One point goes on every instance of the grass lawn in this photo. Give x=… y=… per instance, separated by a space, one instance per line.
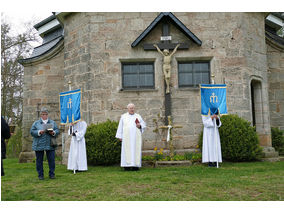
x=254 y=181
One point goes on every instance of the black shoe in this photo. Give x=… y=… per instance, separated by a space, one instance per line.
x=127 y=168
x=135 y=168
x=52 y=177
x=41 y=178
x=210 y=164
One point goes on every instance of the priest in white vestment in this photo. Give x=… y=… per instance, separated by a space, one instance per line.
x=210 y=154
x=129 y=131
x=77 y=158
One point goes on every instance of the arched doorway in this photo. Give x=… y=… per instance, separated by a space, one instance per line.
x=257 y=104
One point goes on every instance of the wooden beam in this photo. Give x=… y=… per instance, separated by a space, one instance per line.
x=170 y=46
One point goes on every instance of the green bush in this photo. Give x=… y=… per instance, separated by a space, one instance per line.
x=277 y=139
x=14 y=146
x=102 y=146
x=239 y=140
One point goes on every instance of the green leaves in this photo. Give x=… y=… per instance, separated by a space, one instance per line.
x=102 y=146
x=239 y=140
x=277 y=139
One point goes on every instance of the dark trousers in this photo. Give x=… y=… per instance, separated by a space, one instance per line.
x=50 y=154
x=2 y=168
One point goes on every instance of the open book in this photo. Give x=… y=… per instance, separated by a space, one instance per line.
x=48 y=127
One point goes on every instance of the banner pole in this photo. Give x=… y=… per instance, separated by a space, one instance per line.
x=69 y=84
x=215 y=130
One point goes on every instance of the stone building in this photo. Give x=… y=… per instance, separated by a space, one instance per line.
x=110 y=56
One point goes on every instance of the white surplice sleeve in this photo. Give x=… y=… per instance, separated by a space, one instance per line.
x=207 y=121
x=81 y=130
x=69 y=132
x=143 y=124
x=119 y=132
x=220 y=123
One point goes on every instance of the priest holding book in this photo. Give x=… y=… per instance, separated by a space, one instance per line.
x=129 y=131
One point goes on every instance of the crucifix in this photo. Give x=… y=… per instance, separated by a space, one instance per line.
x=169 y=135
x=166 y=46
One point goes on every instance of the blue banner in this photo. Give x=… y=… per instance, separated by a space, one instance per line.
x=70 y=103
x=213 y=99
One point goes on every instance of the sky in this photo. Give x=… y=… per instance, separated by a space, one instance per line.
x=19 y=11
x=18 y=18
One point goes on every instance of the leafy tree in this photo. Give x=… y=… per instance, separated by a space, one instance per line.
x=14 y=46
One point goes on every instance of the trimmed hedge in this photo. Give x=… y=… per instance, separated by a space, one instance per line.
x=277 y=139
x=239 y=140
x=102 y=146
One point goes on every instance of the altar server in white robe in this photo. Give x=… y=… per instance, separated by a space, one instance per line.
x=129 y=131
x=77 y=158
x=209 y=151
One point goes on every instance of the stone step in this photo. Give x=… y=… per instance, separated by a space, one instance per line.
x=281 y=158
x=269 y=152
x=276 y=159
x=166 y=151
x=173 y=163
x=271 y=155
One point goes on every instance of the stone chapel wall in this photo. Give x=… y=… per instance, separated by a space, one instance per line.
x=97 y=43
x=42 y=84
x=275 y=59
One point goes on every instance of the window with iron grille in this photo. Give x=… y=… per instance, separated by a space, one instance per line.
x=138 y=75
x=193 y=73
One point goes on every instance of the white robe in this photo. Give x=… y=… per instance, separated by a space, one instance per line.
x=131 y=148
x=209 y=145
x=77 y=158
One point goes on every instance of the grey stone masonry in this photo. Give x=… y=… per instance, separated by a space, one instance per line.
x=275 y=59
x=42 y=85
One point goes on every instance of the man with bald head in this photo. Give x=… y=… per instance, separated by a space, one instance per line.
x=129 y=131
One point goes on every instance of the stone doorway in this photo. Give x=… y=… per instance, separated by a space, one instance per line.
x=257 y=105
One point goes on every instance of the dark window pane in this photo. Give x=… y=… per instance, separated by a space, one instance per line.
x=185 y=79
x=204 y=67
x=130 y=69
x=138 y=75
x=205 y=78
x=185 y=67
x=193 y=73
x=130 y=80
x=149 y=68
x=146 y=80
x=141 y=69
x=197 y=79
x=196 y=67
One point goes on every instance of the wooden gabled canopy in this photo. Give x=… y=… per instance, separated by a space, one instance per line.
x=175 y=21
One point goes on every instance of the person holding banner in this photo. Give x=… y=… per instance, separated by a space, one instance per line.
x=209 y=148
x=43 y=130
x=129 y=131
x=213 y=105
x=77 y=158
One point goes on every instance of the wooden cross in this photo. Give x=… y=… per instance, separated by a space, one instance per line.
x=169 y=136
x=166 y=38
x=166 y=44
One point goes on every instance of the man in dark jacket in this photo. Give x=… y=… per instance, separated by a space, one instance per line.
x=43 y=131
x=5 y=134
